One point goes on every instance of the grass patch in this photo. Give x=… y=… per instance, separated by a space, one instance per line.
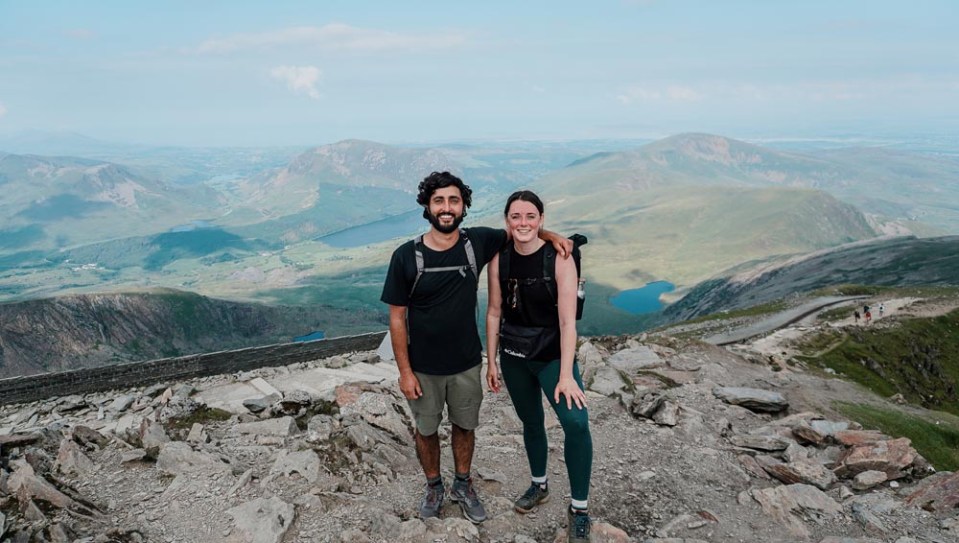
x=754 y=311
x=918 y=358
x=204 y=415
x=937 y=441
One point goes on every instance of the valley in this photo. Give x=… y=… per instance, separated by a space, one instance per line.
x=299 y=228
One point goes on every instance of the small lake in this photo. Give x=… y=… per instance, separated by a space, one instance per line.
x=312 y=336
x=405 y=224
x=643 y=300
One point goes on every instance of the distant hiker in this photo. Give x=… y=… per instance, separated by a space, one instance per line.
x=867 y=316
x=531 y=317
x=855 y=315
x=882 y=309
x=431 y=290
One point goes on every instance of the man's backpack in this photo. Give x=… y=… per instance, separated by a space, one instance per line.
x=549 y=270
x=421 y=268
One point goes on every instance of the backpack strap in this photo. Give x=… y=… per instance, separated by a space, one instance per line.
x=549 y=271
x=421 y=266
x=470 y=254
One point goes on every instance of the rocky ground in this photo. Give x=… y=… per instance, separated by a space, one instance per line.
x=692 y=443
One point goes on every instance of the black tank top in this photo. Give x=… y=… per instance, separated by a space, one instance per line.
x=534 y=304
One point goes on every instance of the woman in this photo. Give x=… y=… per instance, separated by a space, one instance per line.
x=531 y=321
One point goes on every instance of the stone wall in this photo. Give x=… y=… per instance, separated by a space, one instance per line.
x=38 y=387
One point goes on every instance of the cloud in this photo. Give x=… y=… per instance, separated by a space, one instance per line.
x=299 y=79
x=668 y=93
x=3 y=110
x=334 y=37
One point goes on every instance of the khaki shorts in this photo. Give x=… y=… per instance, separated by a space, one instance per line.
x=461 y=392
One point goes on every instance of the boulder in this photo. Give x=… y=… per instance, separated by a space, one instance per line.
x=939 y=492
x=263 y=520
x=891 y=456
x=790 y=504
x=753 y=399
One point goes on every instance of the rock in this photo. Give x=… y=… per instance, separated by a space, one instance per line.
x=802 y=471
x=851 y=438
x=179 y=407
x=306 y=463
x=320 y=428
x=293 y=402
x=868 y=479
x=263 y=520
x=379 y=410
x=759 y=442
x=184 y=391
x=939 y=492
x=632 y=361
x=134 y=455
x=197 y=434
x=607 y=381
x=178 y=457
x=667 y=414
x=71 y=460
x=89 y=438
x=152 y=437
x=890 y=456
x=283 y=426
x=122 y=403
x=753 y=399
x=602 y=532
x=27 y=485
x=789 y=504
x=646 y=405
x=258 y=405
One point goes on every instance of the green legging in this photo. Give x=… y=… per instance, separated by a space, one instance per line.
x=524 y=381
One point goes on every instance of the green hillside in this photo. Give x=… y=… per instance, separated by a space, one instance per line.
x=886 y=262
x=686 y=234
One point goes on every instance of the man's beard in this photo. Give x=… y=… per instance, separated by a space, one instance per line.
x=442 y=228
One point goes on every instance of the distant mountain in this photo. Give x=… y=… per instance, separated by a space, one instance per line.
x=643 y=227
x=896 y=185
x=903 y=261
x=38 y=142
x=64 y=201
x=72 y=332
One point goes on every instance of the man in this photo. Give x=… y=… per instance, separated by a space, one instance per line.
x=434 y=335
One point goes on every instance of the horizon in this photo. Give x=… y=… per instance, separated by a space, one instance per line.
x=289 y=73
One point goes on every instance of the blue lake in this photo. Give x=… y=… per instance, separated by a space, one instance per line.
x=311 y=336
x=405 y=224
x=643 y=300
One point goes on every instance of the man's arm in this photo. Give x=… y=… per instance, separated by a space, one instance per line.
x=562 y=244
x=409 y=384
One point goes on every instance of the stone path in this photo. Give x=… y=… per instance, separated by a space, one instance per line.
x=778 y=320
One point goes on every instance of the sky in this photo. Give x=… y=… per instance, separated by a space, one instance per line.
x=244 y=73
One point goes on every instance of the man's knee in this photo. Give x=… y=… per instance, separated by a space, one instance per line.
x=427 y=425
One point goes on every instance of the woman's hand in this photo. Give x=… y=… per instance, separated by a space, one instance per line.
x=493 y=381
x=567 y=386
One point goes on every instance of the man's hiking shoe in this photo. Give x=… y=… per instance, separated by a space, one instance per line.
x=533 y=496
x=464 y=494
x=579 y=523
x=432 y=501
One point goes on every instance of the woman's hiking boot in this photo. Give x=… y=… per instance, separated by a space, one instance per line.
x=579 y=524
x=534 y=495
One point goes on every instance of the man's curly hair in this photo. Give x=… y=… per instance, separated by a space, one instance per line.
x=439 y=180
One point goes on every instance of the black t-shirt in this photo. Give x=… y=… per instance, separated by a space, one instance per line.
x=441 y=315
